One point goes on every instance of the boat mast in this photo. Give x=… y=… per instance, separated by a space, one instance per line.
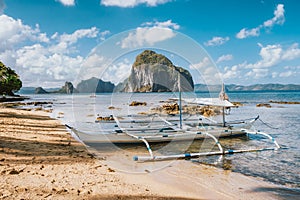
x=223 y=96
x=180 y=108
x=224 y=122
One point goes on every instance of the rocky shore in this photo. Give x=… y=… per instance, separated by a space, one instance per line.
x=12 y=98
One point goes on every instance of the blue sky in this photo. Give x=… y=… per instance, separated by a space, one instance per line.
x=49 y=42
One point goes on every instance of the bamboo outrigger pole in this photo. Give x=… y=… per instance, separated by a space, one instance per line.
x=220 y=152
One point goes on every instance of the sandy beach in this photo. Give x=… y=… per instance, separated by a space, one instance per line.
x=39 y=159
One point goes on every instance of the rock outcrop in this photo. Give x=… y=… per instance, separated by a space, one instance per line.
x=40 y=90
x=267 y=105
x=68 y=88
x=95 y=85
x=152 y=72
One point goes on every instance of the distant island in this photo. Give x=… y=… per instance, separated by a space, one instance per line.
x=198 y=88
x=92 y=85
x=250 y=88
x=68 y=88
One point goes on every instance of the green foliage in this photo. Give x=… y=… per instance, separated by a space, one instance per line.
x=152 y=58
x=9 y=80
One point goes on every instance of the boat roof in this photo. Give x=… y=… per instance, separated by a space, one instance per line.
x=210 y=102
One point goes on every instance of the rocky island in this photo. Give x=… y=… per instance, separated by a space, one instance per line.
x=92 y=85
x=95 y=85
x=152 y=72
x=68 y=88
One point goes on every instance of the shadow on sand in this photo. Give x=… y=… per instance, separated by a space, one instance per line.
x=281 y=193
x=136 y=197
x=28 y=139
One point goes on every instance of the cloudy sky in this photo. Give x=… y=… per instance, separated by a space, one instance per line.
x=48 y=42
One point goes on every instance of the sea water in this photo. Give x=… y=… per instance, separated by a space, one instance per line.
x=281 y=121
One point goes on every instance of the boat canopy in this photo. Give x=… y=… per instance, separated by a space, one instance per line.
x=210 y=102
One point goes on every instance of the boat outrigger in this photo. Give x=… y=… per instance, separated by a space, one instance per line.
x=157 y=128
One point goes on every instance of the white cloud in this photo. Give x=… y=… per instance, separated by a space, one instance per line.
x=93 y=66
x=93 y=61
x=269 y=65
x=258 y=73
x=274 y=54
x=274 y=74
x=292 y=67
x=13 y=32
x=149 y=34
x=132 y=3
x=78 y=34
x=289 y=71
x=117 y=72
x=205 y=63
x=292 y=52
x=165 y=24
x=103 y=34
x=286 y=74
x=65 y=42
x=270 y=55
x=207 y=70
x=278 y=18
x=67 y=2
x=97 y=65
x=36 y=64
x=216 y=41
x=244 y=33
x=232 y=72
x=39 y=60
x=225 y=58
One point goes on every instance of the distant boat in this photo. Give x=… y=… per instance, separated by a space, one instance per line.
x=93 y=95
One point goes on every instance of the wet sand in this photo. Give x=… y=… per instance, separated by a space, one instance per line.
x=39 y=159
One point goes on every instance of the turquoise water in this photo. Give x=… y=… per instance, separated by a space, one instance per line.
x=280 y=167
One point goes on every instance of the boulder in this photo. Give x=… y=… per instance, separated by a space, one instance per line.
x=267 y=105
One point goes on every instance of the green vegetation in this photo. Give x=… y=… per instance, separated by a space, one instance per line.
x=9 y=80
x=152 y=58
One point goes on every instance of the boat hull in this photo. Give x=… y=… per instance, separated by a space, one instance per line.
x=123 y=138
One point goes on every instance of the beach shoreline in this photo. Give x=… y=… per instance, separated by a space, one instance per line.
x=40 y=159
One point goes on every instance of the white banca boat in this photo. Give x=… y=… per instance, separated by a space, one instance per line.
x=157 y=128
